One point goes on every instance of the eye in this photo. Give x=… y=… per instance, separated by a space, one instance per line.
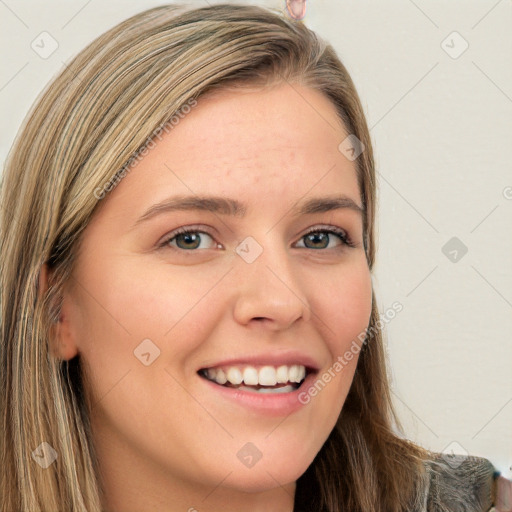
x=189 y=239
x=319 y=238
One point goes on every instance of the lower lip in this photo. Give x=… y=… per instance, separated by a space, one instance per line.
x=273 y=404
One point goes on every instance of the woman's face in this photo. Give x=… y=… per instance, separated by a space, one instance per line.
x=246 y=294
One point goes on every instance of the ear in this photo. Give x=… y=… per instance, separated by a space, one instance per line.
x=62 y=342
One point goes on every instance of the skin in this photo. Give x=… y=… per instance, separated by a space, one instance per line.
x=165 y=440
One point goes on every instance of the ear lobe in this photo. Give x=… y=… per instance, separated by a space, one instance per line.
x=61 y=342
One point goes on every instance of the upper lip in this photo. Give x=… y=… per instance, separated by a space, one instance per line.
x=267 y=359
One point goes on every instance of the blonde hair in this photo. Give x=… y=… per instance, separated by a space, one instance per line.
x=87 y=125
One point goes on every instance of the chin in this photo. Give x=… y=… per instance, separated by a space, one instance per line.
x=274 y=469
x=259 y=480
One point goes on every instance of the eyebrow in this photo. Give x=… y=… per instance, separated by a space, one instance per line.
x=232 y=207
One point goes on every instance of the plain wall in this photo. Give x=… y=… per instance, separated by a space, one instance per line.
x=441 y=124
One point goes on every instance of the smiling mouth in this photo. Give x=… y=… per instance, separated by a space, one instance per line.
x=264 y=379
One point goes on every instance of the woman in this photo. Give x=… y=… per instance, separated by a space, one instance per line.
x=188 y=320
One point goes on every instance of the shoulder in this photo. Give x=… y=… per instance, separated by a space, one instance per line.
x=460 y=483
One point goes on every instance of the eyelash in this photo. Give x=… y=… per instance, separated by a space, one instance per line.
x=341 y=234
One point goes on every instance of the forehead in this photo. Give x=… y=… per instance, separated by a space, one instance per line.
x=286 y=120
x=265 y=146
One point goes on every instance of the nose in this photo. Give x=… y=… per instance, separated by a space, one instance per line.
x=269 y=292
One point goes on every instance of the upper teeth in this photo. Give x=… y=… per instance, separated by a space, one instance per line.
x=251 y=376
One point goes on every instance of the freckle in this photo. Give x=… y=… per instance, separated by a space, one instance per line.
x=256 y=176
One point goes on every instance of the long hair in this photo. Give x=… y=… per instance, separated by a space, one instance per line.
x=85 y=127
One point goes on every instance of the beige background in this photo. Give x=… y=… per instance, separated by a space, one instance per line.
x=441 y=122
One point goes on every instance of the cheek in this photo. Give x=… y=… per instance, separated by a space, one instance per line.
x=341 y=313
x=343 y=306
x=129 y=301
